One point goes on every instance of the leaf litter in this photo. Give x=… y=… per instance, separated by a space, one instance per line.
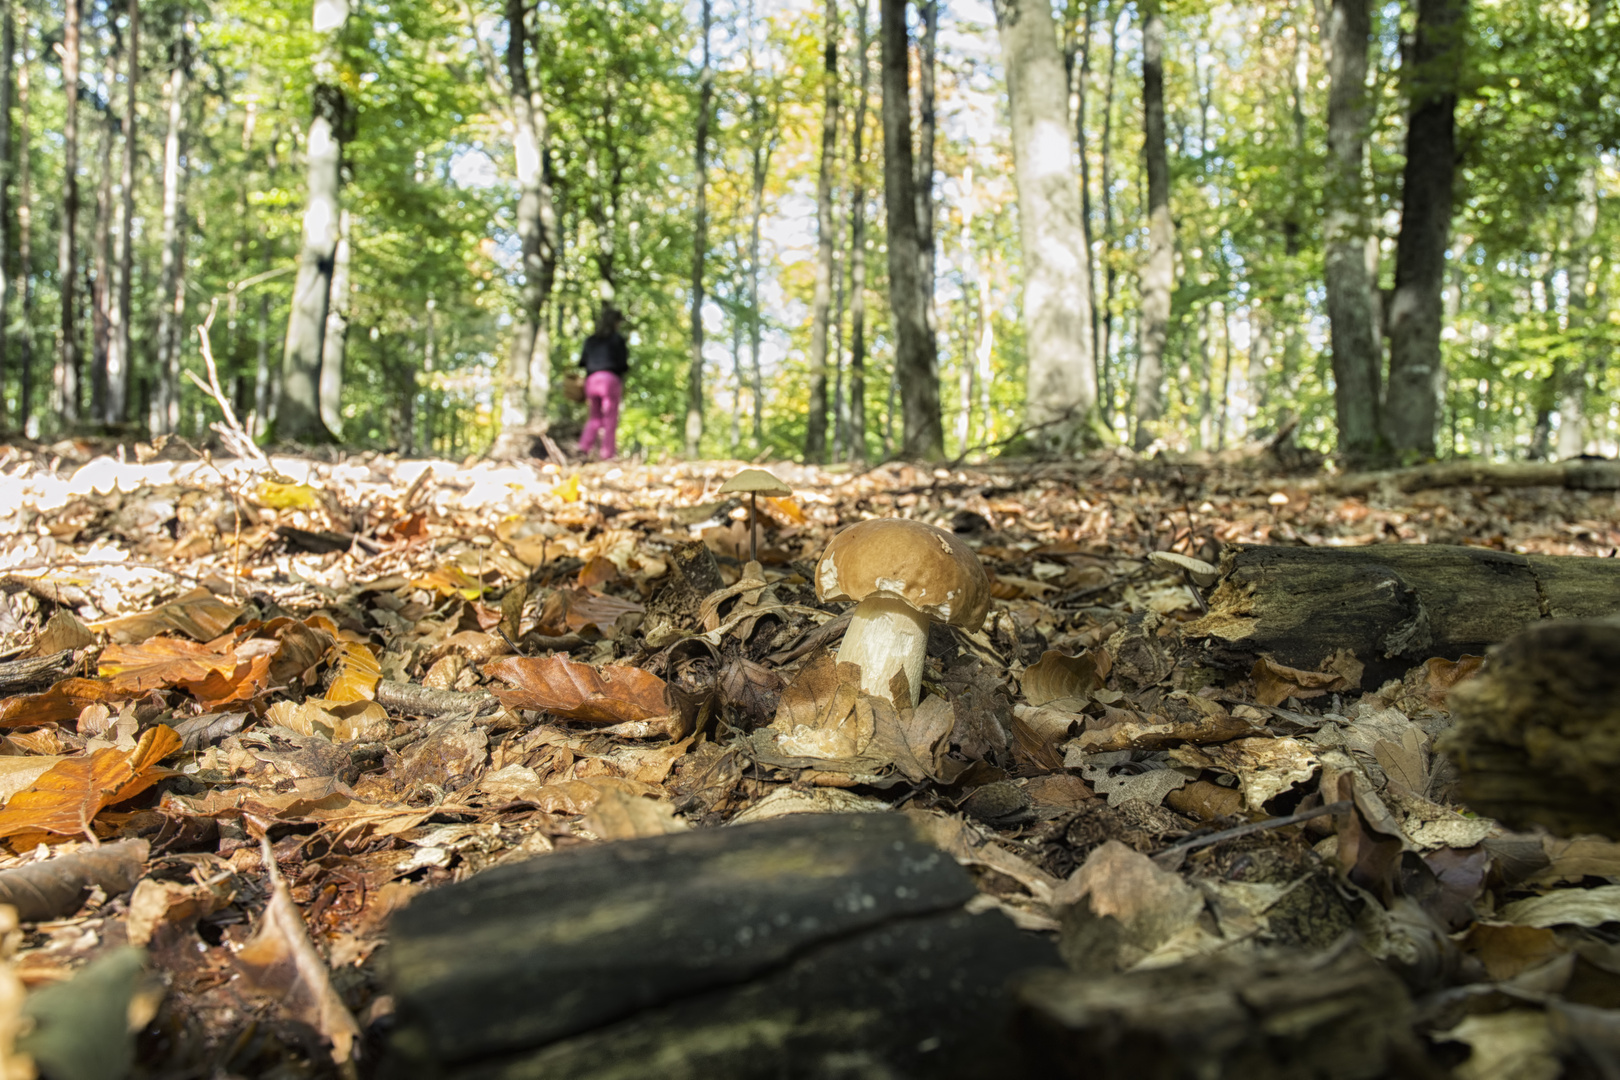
x=258 y=744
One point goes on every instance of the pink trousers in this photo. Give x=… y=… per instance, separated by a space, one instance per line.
x=603 y=392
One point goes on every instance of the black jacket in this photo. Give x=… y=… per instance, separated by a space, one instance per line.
x=605 y=352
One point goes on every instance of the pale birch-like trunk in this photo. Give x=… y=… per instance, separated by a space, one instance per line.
x=165 y=411
x=68 y=362
x=1415 y=364
x=700 y=241
x=335 y=341
x=1158 y=276
x=815 y=431
x=8 y=46
x=856 y=448
x=927 y=122
x=25 y=247
x=101 y=292
x=1583 y=320
x=916 y=358
x=119 y=337
x=1061 y=394
x=298 y=415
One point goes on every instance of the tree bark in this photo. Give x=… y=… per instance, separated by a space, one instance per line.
x=1105 y=349
x=25 y=247
x=335 y=341
x=759 y=171
x=8 y=46
x=1158 y=276
x=119 y=337
x=1061 y=393
x=1415 y=364
x=67 y=274
x=298 y=416
x=856 y=448
x=1080 y=92
x=815 y=430
x=700 y=241
x=1345 y=230
x=101 y=285
x=916 y=359
x=927 y=122
x=165 y=417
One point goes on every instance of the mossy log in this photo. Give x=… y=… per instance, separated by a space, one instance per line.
x=1536 y=735
x=1390 y=605
x=811 y=945
x=1581 y=474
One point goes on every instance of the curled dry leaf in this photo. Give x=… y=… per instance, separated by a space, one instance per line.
x=61 y=704
x=817 y=715
x=579 y=796
x=56 y=887
x=67 y=798
x=282 y=963
x=161 y=663
x=156 y=904
x=357 y=674
x=1264 y=767
x=572 y=610
x=20 y=771
x=564 y=688
x=1275 y=683
x=619 y=815
x=199 y=614
x=1055 y=676
x=1188 y=719
x=338 y=721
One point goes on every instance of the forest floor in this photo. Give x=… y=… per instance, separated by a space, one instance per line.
x=251 y=711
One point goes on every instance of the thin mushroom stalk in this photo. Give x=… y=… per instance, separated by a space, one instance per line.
x=886 y=637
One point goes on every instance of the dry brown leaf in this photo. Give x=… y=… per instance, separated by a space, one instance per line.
x=300 y=647
x=62 y=632
x=450 y=581
x=569 y=611
x=817 y=715
x=249 y=679
x=20 y=772
x=66 y=799
x=598 y=571
x=357 y=674
x=282 y=963
x=161 y=663
x=1275 y=683
x=1264 y=767
x=156 y=904
x=1056 y=676
x=56 y=887
x=1038 y=732
x=619 y=815
x=341 y=721
x=199 y=614
x=562 y=687
x=578 y=796
x=1191 y=719
x=1441 y=676
x=61 y=704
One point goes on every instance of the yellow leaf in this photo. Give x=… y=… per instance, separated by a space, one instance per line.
x=357 y=676
x=276 y=496
x=568 y=490
x=451 y=581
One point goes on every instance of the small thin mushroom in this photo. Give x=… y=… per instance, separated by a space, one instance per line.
x=755 y=482
x=1196 y=572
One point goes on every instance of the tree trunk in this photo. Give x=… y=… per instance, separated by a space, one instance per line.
x=916 y=359
x=119 y=336
x=8 y=46
x=528 y=385
x=700 y=242
x=101 y=286
x=815 y=430
x=25 y=246
x=1062 y=389
x=67 y=273
x=759 y=171
x=298 y=416
x=927 y=122
x=1081 y=80
x=1431 y=75
x=857 y=242
x=1158 y=277
x=166 y=401
x=1582 y=324
x=1105 y=349
x=1345 y=228
x=334 y=342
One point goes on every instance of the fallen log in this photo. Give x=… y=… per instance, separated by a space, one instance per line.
x=778 y=949
x=1389 y=605
x=1583 y=474
x=1536 y=735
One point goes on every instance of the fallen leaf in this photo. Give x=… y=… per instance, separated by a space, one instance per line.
x=1150 y=904
x=19 y=772
x=157 y=904
x=578 y=796
x=66 y=799
x=1187 y=719
x=816 y=716
x=1055 y=677
x=63 y=632
x=282 y=963
x=161 y=663
x=1038 y=732
x=821 y=800
x=337 y=720
x=55 y=887
x=357 y=674
x=618 y=815
x=1566 y=907
x=1265 y=768
x=1274 y=683
x=450 y=581
x=564 y=688
x=61 y=704
x=275 y=495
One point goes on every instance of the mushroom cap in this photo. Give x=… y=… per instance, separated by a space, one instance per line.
x=1201 y=572
x=755 y=482
x=927 y=568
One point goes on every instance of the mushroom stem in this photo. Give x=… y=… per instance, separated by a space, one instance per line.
x=886 y=636
x=753 y=527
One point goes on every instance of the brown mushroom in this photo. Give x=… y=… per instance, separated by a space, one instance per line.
x=903 y=575
x=755 y=482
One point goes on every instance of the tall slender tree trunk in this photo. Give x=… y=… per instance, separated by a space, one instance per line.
x=927 y=122
x=528 y=382
x=1105 y=350
x=1415 y=365
x=916 y=357
x=25 y=243
x=759 y=170
x=116 y=404
x=335 y=341
x=1572 y=393
x=68 y=362
x=1345 y=230
x=1080 y=91
x=1158 y=276
x=298 y=416
x=101 y=294
x=8 y=46
x=1061 y=393
x=857 y=240
x=166 y=401
x=815 y=431
x=700 y=242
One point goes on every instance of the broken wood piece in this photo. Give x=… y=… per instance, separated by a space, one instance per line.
x=1342 y=1016
x=761 y=949
x=55 y=888
x=1536 y=734
x=1389 y=606
x=33 y=671
x=421 y=701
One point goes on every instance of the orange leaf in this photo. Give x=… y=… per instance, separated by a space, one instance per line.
x=61 y=704
x=247 y=680
x=599 y=571
x=579 y=691
x=451 y=581
x=357 y=676
x=199 y=615
x=162 y=662
x=65 y=800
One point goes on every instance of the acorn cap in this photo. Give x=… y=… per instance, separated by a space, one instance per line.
x=929 y=569
x=1201 y=572
x=755 y=482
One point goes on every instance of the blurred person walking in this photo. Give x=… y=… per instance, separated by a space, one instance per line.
x=606 y=360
